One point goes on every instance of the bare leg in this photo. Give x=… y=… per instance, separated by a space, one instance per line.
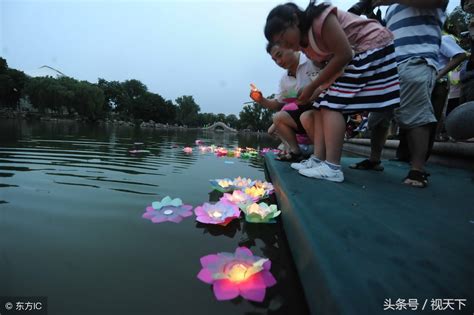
x=286 y=127
x=307 y=120
x=318 y=134
x=418 y=140
x=334 y=128
x=378 y=136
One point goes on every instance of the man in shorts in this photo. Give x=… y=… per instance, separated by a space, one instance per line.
x=416 y=25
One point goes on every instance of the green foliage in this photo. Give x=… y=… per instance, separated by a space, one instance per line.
x=255 y=117
x=12 y=83
x=232 y=121
x=130 y=99
x=81 y=97
x=3 y=65
x=187 y=111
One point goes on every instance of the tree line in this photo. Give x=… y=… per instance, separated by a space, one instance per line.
x=128 y=100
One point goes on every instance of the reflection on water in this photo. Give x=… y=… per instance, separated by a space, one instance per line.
x=71 y=200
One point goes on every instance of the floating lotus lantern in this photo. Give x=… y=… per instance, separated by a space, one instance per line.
x=260 y=213
x=239 y=198
x=268 y=187
x=265 y=151
x=245 y=155
x=220 y=152
x=188 y=150
x=222 y=185
x=240 y=273
x=220 y=213
x=242 y=182
x=167 y=209
x=198 y=142
x=256 y=192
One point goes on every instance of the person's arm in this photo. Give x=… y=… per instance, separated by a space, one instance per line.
x=420 y=4
x=271 y=104
x=336 y=42
x=453 y=63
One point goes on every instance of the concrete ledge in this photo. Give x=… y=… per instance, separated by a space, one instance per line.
x=372 y=238
x=457 y=155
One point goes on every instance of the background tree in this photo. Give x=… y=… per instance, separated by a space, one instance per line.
x=187 y=111
x=12 y=84
x=232 y=121
x=255 y=117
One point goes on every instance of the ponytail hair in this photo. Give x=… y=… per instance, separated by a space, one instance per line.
x=284 y=15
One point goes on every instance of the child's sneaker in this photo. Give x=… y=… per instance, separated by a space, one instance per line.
x=309 y=163
x=323 y=171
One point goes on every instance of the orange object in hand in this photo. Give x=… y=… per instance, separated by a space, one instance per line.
x=255 y=94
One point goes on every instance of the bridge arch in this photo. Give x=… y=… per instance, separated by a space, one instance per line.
x=222 y=125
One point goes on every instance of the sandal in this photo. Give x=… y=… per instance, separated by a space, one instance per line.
x=367 y=165
x=290 y=157
x=417 y=179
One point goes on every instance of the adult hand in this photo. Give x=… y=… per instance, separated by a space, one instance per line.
x=256 y=96
x=305 y=95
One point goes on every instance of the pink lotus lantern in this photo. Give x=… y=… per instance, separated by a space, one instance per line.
x=221 y=152
x=221 y=213
x=188 y=150
x=240 y=273
x=239 y=198
x=204 y=149
x=198 y=142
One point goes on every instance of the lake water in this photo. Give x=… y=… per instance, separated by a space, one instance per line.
x=71 y=226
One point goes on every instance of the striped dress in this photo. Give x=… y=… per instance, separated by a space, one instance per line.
x=370 y=81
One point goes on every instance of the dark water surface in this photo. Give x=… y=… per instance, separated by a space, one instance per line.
x=71 y=201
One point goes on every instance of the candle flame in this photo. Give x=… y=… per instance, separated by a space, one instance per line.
x=237 y=273
x=216 y=214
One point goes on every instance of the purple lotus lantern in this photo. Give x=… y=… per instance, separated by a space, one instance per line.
x=239 y=198
x=167 y=209
x=220 y=213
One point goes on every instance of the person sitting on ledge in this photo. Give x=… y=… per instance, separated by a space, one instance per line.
x=286 y=123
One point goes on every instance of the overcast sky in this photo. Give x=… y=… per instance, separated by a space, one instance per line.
x=211 y=50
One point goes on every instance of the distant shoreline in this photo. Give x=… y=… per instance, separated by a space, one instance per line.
x=8 y=113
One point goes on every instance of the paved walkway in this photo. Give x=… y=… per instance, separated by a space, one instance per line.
x=372 y=238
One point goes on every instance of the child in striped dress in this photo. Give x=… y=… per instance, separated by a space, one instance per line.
x=360 y=72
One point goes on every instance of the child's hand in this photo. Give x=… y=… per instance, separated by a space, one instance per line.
x=256 y=96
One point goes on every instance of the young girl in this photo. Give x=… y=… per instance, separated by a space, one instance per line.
x=360 y=72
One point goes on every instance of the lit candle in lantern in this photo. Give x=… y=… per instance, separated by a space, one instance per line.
x=255 y=94
x=216 y=214
x=255 y=192
x=224 y=183
x=237 y=272
x=257 y=209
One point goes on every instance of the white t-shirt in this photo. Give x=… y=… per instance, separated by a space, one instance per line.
x=448 y=49
x=305 y=73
